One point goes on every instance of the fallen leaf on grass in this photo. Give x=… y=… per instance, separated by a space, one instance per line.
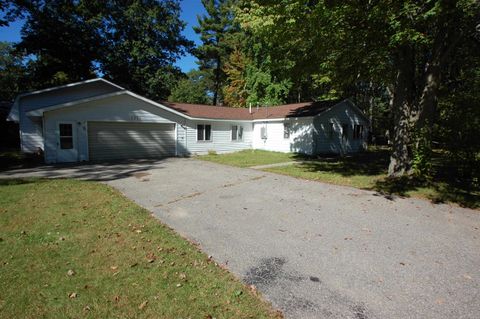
x=143 y=304
x=72 y=295
x=114 y=267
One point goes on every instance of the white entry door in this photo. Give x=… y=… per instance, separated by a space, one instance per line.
x=67 y=143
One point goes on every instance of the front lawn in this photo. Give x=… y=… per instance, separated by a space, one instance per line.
x=248 y=158
x=367 y=170
x=71 y=249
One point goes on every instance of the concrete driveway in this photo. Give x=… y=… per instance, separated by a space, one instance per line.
x=314 y=250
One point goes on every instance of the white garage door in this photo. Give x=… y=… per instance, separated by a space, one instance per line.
x=114 y=140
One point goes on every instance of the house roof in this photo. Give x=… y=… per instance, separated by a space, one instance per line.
x=272 y=112
x=14 y=111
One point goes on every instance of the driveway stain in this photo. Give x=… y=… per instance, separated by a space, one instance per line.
x=266 y=272
x=270 y=275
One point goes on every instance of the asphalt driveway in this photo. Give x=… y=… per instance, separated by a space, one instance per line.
x=314 y=250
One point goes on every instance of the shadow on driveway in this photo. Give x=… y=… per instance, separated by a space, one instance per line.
x=100 y=171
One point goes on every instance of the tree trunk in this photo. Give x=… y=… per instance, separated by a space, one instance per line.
x=403 y=104
x=217 y=82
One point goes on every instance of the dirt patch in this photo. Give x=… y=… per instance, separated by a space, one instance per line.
x=141 y=175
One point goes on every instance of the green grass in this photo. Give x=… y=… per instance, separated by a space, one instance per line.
x=249 y=158
x=366 y=170
x=122 y=258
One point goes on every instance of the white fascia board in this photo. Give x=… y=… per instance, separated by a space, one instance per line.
x=70 y=85
x=356 y=108
x=14 y=114
x=282 y=119
x=39 y=112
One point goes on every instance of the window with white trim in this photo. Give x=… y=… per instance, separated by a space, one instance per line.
x=66 y=136
x=286 y=130
x=204 y=132
x=237 y=133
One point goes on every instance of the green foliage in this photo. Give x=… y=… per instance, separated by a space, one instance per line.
x=141 y=41
x=12 y=72
x=214 y=28
x=193 y=89
x=133 y=43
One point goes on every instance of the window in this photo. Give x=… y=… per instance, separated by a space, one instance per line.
x=204 y=132
x=66 y=136
x=234 y=132
x=237 y=133
x=358 y=132
x=286 y=130
x=345 y=131
x=331 y=131
x=263 y=132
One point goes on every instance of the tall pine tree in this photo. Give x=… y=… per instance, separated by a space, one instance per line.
x=214 y=28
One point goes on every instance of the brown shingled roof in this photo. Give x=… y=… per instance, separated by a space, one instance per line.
x=232 y=113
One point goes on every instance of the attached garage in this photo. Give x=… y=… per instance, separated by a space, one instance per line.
x=119 y=140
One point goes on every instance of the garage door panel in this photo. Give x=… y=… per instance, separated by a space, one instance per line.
x=110 y=140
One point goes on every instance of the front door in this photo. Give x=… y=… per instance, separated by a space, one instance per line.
x=67 y=143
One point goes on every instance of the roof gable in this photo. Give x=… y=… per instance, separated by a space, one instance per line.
x=44 y=98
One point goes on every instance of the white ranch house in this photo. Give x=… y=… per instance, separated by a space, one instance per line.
x=96 y=120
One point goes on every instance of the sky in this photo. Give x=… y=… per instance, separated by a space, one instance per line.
x=190 y=10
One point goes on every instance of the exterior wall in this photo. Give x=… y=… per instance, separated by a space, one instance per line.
x=300 y=140
x=342 y=113
x=31 y=130
x=122 y=108
x=221 y=137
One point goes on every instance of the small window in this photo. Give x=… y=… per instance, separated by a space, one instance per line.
x=331 y=131
x=286 y=130
x=263 y=132
x=345 y=131
x=237 y=133
x=358 y=132
x=204 y=132
x=66 y=136
x=234 y=132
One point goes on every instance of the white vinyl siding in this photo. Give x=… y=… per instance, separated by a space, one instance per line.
x=122 y=108
x=334 y=130
x=31 y=129
x=221 y=137
x=270 y=135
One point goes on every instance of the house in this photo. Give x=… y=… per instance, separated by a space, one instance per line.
x=98 y=120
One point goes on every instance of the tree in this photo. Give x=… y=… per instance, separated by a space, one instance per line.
x=64 y=44
x=193 y=89
x=214 y=29
x=141 y=42
x=134 y=43
x=401 y=45
x=12 y=72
